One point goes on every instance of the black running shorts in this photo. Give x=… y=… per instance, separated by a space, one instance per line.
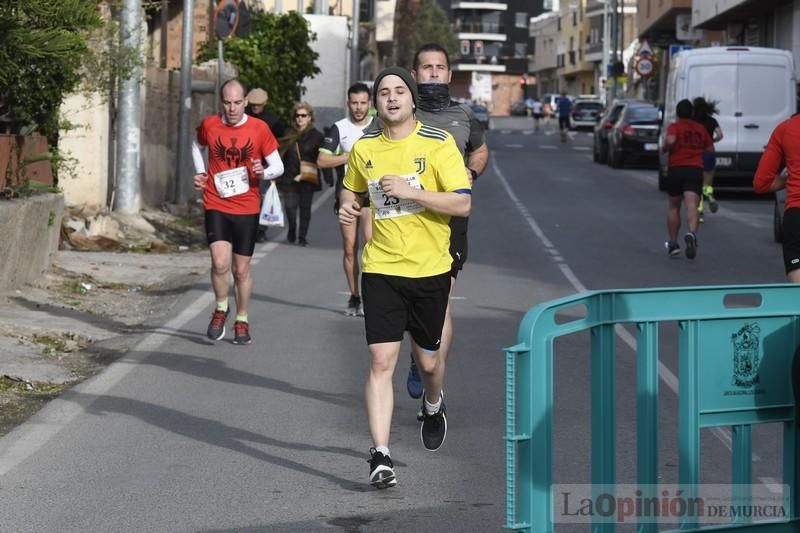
x=239 y=230
x=394 y=304
x=458 y=244
x=683 y=179
x=790 y=236
x=563 y=123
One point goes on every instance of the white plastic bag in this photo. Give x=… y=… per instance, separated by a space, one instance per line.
x=271 y=209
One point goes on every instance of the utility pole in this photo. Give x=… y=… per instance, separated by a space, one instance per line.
x=355 y=59
x=614 y=46
x=185 y=106
x=127 y=197
x=604 y=64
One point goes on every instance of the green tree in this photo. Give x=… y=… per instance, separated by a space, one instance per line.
x=43 y=44
x=419 y=24
x=275 y=55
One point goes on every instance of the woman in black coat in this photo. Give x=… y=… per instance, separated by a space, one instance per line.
x=297 y=189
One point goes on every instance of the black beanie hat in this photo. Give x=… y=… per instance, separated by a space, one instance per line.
x=403 y=74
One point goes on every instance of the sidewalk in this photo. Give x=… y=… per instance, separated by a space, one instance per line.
x=85 y=313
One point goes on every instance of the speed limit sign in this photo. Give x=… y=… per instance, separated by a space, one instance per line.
x=644 y=66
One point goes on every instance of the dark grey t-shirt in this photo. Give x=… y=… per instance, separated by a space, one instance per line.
x=460 y=122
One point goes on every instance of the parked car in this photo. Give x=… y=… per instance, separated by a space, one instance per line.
x=585 y=113
x=482 y=114
x=603 y=126
x=519 y=108
x=634 y=135
x=755 y=91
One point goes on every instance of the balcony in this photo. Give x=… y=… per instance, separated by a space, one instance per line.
x=478 y=27
x=489 y=6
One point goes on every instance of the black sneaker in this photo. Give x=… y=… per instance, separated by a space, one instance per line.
x=433 y=429
x=673 y=249
x=381 y=470
x=353 y=307
x=691 y=245
x=241 y=333
x=414 y=381
x=216 y=328
x=302 y=241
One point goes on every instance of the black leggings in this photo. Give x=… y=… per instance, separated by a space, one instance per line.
x=298 y=195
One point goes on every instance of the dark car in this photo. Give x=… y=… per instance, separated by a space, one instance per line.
x=519 y=108
x=585 y=113
x=482 y=114
x=601 y=128
x=634 y=135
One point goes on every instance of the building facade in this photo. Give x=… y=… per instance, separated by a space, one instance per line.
x=494 y=50
x=545 y=38
x=576 y=74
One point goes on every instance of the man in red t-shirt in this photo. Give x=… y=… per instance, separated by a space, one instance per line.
x=784 y=147
x=685 y=142
x=238 y=146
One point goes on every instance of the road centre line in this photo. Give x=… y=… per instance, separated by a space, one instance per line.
x=28 y=438
x=664 y=373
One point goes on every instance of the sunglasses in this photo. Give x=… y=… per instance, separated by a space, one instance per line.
x=300 y=115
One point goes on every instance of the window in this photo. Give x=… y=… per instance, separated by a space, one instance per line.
x=521 y=20
x=574 y=18
x=520 y=50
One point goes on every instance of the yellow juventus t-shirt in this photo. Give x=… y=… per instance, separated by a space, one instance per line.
x=407 y=239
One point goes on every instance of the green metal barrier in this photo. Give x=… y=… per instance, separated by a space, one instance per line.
x=735 y=351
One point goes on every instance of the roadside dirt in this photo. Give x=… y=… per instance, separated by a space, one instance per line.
x=93 y=306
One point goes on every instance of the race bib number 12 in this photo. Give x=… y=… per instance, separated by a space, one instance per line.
x=390 y=207
x=232 y=182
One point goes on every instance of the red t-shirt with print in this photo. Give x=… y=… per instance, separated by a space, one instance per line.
x=691 y=140
x=229 y=148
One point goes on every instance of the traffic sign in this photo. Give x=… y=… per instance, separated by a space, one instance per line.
x=644 y=49
x=645 y=66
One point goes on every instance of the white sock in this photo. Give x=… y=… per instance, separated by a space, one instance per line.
x=383 y=449
x=432 y=408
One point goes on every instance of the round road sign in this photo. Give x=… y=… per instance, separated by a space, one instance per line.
x=645 y=66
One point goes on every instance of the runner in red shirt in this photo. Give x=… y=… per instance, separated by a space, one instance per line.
x=784 y=147
x=685 y=142
x=238 y=145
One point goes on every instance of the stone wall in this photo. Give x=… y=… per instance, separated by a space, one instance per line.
x=30 y=227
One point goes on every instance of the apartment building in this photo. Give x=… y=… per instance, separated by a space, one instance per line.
x=495 y=46
x=774 y=24
x=576 y=74
x=667 y=26
x=543 y=67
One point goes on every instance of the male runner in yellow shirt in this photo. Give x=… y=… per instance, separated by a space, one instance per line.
x=415 y=178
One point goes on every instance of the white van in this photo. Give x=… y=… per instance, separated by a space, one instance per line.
x=754 y=89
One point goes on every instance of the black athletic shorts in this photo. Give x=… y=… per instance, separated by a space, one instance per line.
x=394 y=304
x=458 y=244
x=563 y=123
x=239 y=230
x=790 y=236
x=681 y=179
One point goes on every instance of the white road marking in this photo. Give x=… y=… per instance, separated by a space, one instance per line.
x=664 y=373
x=547 y=146
x=514 y=146
x=30 y=437
x=527 y=132
x=581 y=148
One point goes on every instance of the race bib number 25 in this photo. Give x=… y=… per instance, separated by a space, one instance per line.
x=390 y=207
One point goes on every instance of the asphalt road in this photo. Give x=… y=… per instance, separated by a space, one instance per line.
x=189 y=435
